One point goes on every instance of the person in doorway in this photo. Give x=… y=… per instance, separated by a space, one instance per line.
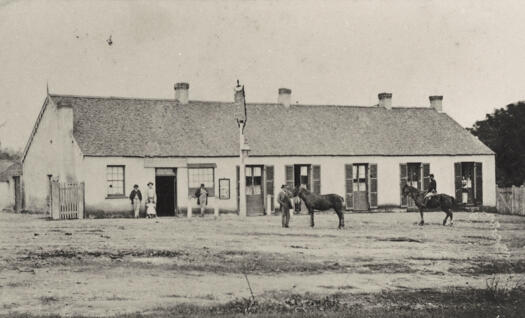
x=432 y=186
x=136 y=198
x=202 y=198
x=150 y=193
x=285 y=203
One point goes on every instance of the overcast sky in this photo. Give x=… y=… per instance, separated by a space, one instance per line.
x=333 y=52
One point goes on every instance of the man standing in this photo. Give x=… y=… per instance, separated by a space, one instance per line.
x=136 y=197
x=202 y=198
x=431 y=189
x=285 y=203
x=150 y=193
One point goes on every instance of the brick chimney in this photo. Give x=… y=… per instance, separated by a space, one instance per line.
x=385 y=100
x=182 y=93
x=436 y=102
x=284 y=97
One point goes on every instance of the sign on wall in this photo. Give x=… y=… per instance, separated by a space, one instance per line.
x=224 y=189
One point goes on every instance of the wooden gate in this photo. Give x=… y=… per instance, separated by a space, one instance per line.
x=511 y=200
x=67 y=200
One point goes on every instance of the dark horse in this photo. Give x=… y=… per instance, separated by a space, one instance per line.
x=321 y=203
x=443 y=201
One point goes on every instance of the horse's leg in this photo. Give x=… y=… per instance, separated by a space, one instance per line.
x=341 y=218
x=451 y=216
x=421 y=214
x=446 y=217
x=311 y=211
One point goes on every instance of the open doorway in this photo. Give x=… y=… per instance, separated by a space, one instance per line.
x=166 y=189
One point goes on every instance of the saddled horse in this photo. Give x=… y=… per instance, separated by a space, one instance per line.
x=443 y=201
x=320 y=202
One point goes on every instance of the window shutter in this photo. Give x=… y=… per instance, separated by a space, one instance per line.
x=316 y=179
x=426 y=176
x=288 y=172
x=403 y=171
x=457 y=178
x=349 y=187
x=269 y=184
x=479 y=183
x=372 y=185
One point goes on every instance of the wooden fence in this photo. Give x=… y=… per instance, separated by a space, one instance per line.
x=67 y=200
x=511 y=200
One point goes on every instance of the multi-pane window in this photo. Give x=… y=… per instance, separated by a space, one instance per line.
x=115 y=180
x=198 y=176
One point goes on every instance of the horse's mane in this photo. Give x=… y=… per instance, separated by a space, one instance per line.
x=412 y=189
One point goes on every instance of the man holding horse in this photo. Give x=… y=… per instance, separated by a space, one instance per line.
x=284 y=201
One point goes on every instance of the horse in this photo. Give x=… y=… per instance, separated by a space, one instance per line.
x=320 y=202
x=443 y=201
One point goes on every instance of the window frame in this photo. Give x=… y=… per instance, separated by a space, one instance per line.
x=119 y=195
x=191 y=190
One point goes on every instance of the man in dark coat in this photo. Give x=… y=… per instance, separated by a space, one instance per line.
x=284 y=201
x=136 y=197
x=432 y=186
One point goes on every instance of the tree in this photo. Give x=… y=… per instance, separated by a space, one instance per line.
x=504 y=132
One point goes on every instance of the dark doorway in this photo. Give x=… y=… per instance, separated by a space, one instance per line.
x=18 y=194
x=302 y=175
x=166 y=189
x=414 y=179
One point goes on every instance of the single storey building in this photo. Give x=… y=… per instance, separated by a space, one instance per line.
x=363 y=153
x=10 y=185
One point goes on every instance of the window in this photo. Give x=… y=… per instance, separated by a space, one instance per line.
x=198 y=176
x=115 y=180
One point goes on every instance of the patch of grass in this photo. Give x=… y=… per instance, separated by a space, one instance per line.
x=399 y=239
x=47 y=299
x=484 y=267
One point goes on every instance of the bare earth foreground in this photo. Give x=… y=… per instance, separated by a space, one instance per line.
x=183 y=266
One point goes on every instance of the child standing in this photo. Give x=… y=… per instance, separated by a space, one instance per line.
x=151 y=211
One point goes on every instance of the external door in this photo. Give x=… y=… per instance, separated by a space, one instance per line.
x=254 y=190
x=360 y=187
x=413 y=179
x=18 y=196
x=469 y=183
x=166 y=190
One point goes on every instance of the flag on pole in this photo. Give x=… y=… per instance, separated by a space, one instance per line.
x=240 y=105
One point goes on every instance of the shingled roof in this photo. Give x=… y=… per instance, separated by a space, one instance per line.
x=109 y=126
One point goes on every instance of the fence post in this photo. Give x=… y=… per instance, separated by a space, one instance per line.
x=81 y=200
x=55 y=200
x=269 y=205
x=190 y=207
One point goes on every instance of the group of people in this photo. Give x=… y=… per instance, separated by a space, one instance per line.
x=285 y=202
x=283 y=198
x=151 y=198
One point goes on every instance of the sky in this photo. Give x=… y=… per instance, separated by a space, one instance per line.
x=327 y=52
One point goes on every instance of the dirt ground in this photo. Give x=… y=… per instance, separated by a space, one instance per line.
x=104 y=267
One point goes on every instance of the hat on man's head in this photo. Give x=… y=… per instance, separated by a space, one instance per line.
x=150 y=183
x=136 y=186
x=283 y=186
x=432 y=175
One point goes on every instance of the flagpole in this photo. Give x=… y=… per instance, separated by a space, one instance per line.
x=243 y=146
